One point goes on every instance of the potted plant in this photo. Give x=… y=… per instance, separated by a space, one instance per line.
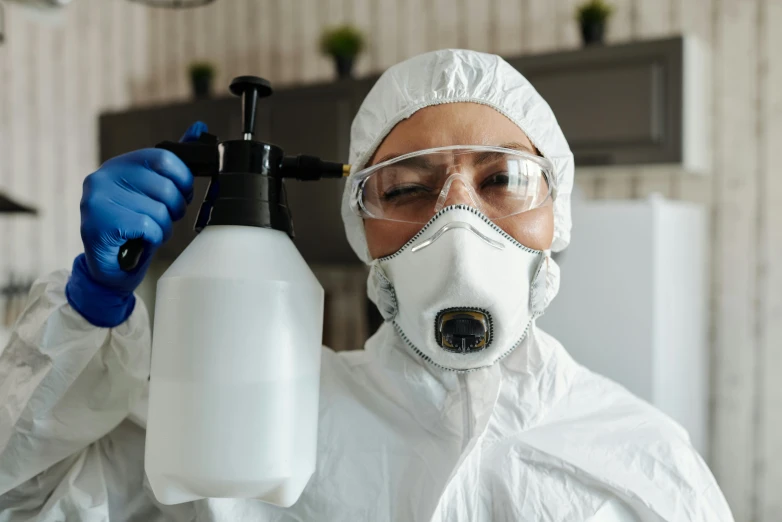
x=343 y=44
x=593 y=17
x=201 y=76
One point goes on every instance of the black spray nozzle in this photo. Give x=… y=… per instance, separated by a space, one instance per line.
x=310 y=168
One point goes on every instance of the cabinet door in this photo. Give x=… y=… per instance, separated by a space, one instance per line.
x=126 y=131
x=617 y=105
x=316 y=120
x=359 y=91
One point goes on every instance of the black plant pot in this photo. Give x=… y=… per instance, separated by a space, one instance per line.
x=593 y=32
x=344 y=65
x=202 y=86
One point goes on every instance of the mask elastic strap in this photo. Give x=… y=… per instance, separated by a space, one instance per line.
x=537 y=295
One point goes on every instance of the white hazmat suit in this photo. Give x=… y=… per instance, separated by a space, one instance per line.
x=532 y=436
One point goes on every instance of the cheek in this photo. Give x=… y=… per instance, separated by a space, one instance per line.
x=533 y=229
x=386 y=237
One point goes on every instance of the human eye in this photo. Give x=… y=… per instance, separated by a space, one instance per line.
x=495 y=180
x=405 y=192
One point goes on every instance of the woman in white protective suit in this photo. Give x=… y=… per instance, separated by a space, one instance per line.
x=458 y=409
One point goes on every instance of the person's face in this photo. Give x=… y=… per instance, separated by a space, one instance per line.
x=456 y=124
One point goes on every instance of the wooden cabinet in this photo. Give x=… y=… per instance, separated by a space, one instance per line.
x=133 y=129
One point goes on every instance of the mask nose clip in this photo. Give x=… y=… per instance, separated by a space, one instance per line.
x=463 y=330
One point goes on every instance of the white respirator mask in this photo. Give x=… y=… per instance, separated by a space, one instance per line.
x=462 y=293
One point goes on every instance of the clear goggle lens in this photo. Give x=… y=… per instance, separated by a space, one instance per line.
x=412 y=188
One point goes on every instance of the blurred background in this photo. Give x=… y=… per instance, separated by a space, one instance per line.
x=673 y=284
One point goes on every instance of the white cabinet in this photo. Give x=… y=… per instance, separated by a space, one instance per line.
x=633 y=304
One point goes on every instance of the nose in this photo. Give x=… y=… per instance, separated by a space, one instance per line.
x=458 y=191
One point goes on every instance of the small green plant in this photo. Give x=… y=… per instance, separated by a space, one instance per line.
x=343 y=41
x=202 y=70
x=594 y=12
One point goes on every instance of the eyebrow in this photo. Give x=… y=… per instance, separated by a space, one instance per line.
x=388 y=157
x=519 y=146
x=490 y=156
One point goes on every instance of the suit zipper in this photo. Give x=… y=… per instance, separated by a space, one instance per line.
x=466 y=410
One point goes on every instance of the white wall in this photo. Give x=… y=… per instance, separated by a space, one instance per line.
x=109 y=54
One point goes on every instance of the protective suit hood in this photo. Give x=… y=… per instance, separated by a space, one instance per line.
x=449 y=76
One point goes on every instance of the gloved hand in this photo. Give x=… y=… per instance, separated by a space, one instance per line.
x=136 y=195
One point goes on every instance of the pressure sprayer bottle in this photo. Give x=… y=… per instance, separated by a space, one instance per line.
x=233 y=403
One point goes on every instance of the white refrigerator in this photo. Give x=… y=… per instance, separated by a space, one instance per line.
x=632 y=303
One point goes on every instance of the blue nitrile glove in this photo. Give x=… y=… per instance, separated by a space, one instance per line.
x=137 y=195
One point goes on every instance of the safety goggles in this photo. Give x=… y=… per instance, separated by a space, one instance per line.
x=412 y=188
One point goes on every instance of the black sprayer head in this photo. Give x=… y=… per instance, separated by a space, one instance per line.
x=247 y=186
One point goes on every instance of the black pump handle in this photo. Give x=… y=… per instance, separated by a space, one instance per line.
x=202 y=158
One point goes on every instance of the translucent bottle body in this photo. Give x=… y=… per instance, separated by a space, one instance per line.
x=235 y=374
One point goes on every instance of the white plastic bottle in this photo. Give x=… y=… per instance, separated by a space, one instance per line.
x=234 y=387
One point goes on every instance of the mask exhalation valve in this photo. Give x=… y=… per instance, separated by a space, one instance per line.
x=463 y=330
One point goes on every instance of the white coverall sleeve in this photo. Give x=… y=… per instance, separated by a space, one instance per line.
x=64 y=384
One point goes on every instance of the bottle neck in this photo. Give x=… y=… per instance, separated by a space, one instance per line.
x=249 y=190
